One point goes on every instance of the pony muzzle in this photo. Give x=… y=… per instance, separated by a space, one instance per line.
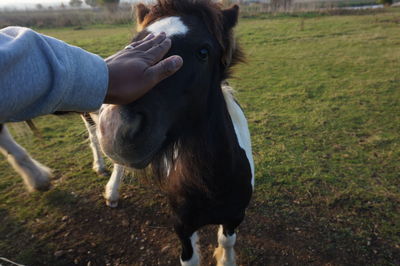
x=116 y=130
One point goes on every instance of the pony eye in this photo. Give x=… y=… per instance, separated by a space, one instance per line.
x=203 y=53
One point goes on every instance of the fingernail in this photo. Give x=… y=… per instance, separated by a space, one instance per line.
x=176 y=61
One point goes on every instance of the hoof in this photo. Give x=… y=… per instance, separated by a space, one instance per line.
x=45 y=186
x=112 y=203
x=102 y=173
x=38 y=179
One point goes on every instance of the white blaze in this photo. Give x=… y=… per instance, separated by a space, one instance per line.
x=170 y=25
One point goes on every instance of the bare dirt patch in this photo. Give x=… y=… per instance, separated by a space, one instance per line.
x=139 y=232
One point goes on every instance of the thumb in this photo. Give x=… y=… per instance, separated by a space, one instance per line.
x=164 y=69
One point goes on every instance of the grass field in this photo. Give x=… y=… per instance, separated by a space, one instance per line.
x=322 y=95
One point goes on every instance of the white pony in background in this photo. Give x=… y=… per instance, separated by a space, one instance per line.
x=37 y=176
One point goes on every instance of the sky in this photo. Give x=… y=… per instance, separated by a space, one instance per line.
x=24 y=4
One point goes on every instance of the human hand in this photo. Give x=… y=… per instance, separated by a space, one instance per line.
x=134 y=71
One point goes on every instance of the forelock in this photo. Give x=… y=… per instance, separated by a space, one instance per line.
x=209 y=12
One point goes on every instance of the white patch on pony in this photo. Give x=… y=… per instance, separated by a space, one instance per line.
x=240 y=125
x=195 y=259
x=225 y=241
x=35 y=175
x=170 y=25
x=167 y=166
x=168 y=163
x=111 y=194
x=224 y=253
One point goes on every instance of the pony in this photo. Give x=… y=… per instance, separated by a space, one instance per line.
x=189 y=132
x=37 y=176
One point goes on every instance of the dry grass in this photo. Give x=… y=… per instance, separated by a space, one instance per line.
x=64 y=18
x=83 y=17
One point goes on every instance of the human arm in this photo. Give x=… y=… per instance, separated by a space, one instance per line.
x=40 y=75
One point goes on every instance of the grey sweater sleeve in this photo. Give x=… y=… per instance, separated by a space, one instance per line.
x=40 y=75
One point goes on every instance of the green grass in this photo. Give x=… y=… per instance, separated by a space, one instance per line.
x=322 y=95
x=323 y=100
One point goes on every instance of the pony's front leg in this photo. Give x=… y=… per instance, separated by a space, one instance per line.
x=190 y=255
x=225 y=253
x=35 y=175
x=98 y=160
x=111 y=194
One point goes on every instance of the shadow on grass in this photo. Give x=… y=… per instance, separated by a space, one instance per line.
x=21 y=244
x=80 y=229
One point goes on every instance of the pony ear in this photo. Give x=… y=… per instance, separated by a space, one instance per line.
x=141 y=12
x=230 y=17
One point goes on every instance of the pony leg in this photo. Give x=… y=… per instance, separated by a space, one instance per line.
x=225 y=253
x=35 y=175
x=98 y=161
x=111 y=194
x=190 y=248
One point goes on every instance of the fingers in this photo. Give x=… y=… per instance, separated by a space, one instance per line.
x=148 y=37
x=151 y=42
x=142 y=45
x=154 y=47
x=164 y=69
x=157 y=52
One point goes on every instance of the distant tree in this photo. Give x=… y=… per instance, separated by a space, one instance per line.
x=75 y=3
x=62 y=6
x=39 y=6
x=111 y=5
x=92 y=3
